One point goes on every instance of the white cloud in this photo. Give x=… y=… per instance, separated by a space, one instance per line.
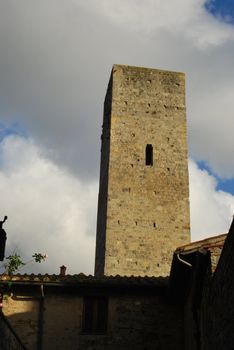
x=211 y=124
x=211 y=210
x=185 y=17
x=48 y=209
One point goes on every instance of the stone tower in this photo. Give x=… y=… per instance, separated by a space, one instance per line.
x=143 y=208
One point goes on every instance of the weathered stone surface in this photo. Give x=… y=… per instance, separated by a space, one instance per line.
x=139 y=322
x=8 y=339
x=217 y=305
x=22 y=314
x=143 y=211
x=135 y=321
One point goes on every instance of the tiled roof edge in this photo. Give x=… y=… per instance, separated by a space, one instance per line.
x=83 y=279
x=214 y=241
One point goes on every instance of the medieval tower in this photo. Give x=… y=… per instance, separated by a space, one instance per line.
x=143 y=208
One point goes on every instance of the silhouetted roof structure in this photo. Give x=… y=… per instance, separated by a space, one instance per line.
x=207 y=244
x=82 y=283
x=193 y=256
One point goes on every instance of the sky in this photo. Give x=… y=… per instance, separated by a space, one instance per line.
x=55 y=61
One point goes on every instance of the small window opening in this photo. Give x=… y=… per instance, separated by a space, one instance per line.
x=149 y=155
x=95 y=312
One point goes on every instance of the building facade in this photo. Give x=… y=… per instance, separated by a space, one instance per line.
x=88 y=313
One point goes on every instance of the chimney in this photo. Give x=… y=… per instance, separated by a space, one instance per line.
x=62 y=271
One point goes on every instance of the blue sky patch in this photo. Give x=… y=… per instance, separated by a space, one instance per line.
x=222 y=9
x=203 y=166
x=14 y=128
x=226 y=185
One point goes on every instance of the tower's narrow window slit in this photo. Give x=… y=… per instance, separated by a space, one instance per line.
x=149 y=155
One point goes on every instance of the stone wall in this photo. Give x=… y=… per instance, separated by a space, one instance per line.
x=143 y=212
x=22 y=310
x=217 y=309
x=135 y=321
x=140 y=323
x=202 y=297
x=52 y=322
x=103 y=185
x=8 y=339
x=62 y=320
x=209 y=297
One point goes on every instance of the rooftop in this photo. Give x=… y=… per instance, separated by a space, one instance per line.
x=82 y=283
x=204 y=244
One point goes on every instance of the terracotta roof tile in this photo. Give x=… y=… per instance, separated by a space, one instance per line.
x=80 y=279
x=207 y=244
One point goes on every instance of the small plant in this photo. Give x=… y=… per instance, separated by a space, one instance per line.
x=38 y=257
x=15 y=262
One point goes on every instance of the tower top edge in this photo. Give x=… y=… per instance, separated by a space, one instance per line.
x=117 y=67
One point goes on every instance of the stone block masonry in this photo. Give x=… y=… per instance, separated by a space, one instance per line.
x=143 y=210
x=8 y=338
x=138 y=316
